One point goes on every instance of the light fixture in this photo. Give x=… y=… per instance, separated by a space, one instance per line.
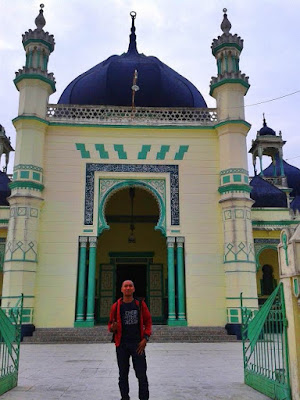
x=131 y=237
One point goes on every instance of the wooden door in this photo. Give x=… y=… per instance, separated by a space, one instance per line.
x=106 y=291
x=155 y=295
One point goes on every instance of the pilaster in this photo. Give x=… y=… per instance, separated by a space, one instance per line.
x=171 y=280
x=81 y=279
x=90 y=314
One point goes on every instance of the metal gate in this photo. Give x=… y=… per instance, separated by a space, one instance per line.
x=10 y=337
x=265 y=347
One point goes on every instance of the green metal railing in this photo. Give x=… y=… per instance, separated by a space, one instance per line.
x=10 y=338
x=265 y=347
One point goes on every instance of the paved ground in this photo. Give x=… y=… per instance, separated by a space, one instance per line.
x=176 y=371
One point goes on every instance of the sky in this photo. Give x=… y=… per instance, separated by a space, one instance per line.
x=180 y=34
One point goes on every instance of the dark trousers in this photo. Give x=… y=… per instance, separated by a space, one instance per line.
x=124 y=351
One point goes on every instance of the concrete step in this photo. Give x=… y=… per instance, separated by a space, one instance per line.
x=160 y=334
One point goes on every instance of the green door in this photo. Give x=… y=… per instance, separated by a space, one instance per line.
x=156 y=292
x=106 y=291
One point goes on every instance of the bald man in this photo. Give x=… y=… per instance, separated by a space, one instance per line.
x=131 y=323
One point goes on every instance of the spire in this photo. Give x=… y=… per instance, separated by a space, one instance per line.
x=132 y=42
x=264 y=120
x=225 y=25
x=40 y=21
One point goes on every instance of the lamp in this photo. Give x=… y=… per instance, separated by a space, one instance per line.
x=131 y=237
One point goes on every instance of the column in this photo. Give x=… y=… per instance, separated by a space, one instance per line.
x=260 y=154
x=81 y=279
x=281 y=162
x=171 y=280
x=90 y=315
x=180 y=281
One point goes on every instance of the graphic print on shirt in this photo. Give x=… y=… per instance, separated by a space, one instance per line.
x=131 y=317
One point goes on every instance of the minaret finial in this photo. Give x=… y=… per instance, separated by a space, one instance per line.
x=40 y=20
x=225 y=25
x=132 y=43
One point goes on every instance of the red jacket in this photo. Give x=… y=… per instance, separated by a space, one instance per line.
x=145 y=320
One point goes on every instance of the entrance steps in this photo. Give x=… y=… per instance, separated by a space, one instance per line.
x=160 y=334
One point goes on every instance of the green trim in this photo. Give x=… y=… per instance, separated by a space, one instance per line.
x=28 y=166
x=4 y=221
x=175 y=230
x=180 y=154
x=88 y=230
x=24 y=174
x=36 y=176
x=119 y=148
x=237 y=178
x=234 y=188
x=102 y=152
x=35 y=76
x=269 y=209
x=234 y=121
x=20 y=117
x=226 y=179
x=239 y=298
x=83 y=152
x=26 y=185
x=161 y=155
x=270 y=223
x=221 y=46
x=118 y=254
x=233 y=170
x=84 y=324
x=177 y=322
x=142 y=155
x=228 y=80
x=47 y=44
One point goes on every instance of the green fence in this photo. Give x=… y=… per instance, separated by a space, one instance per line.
x=265 y=347
x=10 y=337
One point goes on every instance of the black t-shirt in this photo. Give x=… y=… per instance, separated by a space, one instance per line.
x=130 y=322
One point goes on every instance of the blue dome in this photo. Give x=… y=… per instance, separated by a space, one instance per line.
x=266 y=131
x=265 y=194
x=110 y=83
x=292 y=174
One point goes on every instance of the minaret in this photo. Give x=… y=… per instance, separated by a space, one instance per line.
x=35 y=85
x=229 y=89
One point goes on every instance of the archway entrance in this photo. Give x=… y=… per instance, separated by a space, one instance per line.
x=132 y=249
x=267 y=276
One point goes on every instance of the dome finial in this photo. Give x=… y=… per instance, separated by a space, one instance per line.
x=225 y=25
x=40 y=20
x=132 y=42
x=264 y=120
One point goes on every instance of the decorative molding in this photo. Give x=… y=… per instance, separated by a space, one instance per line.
x=93 y=241
x=236 y=213
x=21 y=251
x=264 y=244
x=156 y=186
x=28 y=166
x=26 y=185
x=171 y=241
x=83 y=241
x=235 y=188
x=91 y=168
x=233 y=171
x=239 y=252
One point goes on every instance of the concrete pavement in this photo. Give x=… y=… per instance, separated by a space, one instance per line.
x=176 y=371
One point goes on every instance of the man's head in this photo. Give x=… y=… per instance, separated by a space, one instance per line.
x=127 y=288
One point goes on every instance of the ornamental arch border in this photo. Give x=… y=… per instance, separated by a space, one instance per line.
x=260 y=250
x=123 y=183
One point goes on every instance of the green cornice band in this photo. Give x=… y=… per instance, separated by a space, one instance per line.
x=233 y=121
x=35 y=76
x=4 y=221
x=270 y=223
x=29 y=117
x=26 y=185
x=49 y=45
x=234 y=188
x=221 y=46
x=28 y=166
x=228 y=80
x=233 y=171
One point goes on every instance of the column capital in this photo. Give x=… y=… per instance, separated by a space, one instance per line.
x=171 y=241
x=83 y=241
x=180 y=240
x=93 y=241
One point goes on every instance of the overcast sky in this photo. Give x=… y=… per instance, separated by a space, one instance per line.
x=180 y=34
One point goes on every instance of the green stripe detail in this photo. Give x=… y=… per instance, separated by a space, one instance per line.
x=26 y=185
x=144 y=152
x=180 y=154
x=234 y=121
x=24 y=174
x=237 y=178
x=163 y=151
x=221 y=46
x=28 y=166
x=119 y=148
x=21 y=117
x=84 y=153
x=4 y=221
x=233 y=170
x=224 y=81
x=235 y=188
x=102 y=152
x=36 y=176
x=35 y=76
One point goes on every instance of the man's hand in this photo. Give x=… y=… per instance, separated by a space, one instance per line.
x=114 y=327
x=141 y=346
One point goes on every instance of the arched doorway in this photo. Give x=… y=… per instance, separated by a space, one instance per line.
x=131 y=248
x=267 y=274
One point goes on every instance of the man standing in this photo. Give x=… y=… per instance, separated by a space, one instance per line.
x=131 y=323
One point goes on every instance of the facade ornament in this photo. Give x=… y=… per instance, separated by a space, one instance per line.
x=40 y=21
x=225 y=25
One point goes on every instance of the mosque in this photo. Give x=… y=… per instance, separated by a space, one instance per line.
x=132 y=176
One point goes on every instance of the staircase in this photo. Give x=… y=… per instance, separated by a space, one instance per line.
x=160 y=334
